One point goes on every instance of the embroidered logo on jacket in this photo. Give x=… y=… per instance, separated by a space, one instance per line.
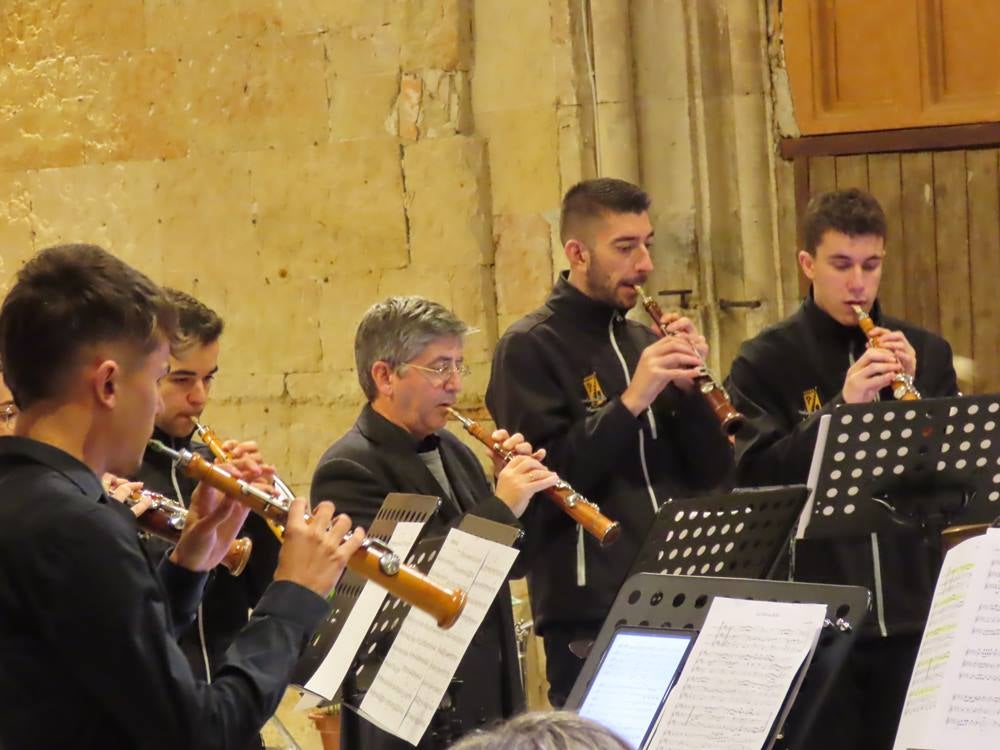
x=595 y=394
x=811 y=400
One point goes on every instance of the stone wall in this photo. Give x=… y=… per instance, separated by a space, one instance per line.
x=290 y=163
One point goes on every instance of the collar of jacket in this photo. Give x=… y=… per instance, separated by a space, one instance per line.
x=15 y=450
x=380 y=430
x=586 y=311
x=826 y=327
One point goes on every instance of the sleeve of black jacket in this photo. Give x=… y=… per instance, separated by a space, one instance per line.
x=113 y=629
x=525 y=395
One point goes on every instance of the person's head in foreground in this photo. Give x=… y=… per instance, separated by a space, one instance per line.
x=545 y=730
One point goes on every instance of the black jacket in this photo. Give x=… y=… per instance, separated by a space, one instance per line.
x=84 y=615
x=557 y=377
x=377 y=457
x=228 y=598
x=800 y=363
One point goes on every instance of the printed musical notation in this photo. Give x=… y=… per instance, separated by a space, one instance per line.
x=740 y=671
x=954 y=694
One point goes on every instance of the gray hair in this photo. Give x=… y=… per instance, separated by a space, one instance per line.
x=549 y=730
x=396 y=330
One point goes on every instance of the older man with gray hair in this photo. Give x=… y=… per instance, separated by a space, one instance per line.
x=410 y=366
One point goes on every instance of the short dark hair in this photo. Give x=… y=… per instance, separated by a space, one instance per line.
x=590 y=199
x=851 y=211
x=396 y=330
x=197 y=323
x=69 y=297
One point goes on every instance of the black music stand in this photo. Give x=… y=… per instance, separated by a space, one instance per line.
x=743 y=533
x=398 y=507
x=682 y=602
x=920 y=464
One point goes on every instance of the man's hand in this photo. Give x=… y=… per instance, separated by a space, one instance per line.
x=514 y=443
x=896 y=342
x=121 y=490
x=671 y=359
x=315 y=554
x=873 y=371
x=681 y=326
x=520 y=479
x=248 y=455
x=213 y=521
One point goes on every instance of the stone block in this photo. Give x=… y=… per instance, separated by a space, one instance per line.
x=660 y=48
x=411 y=94
x=523 y=263
x=746 y=46
x=250 y=94
x=514 y=56
x=473 y=299
x=524 y=167
x=324 y=388
x=330 y=209
x=235 y=384
x=343 y=301
x=666 y=157
x=309 y=431
x=363 y=106
x=447 y=203
x=357 y=51
x=41 y=29
x=16 y=240
x=114 y=206
x=277 y=327
x=434 y=34
x=432 y=283
x=446 y=103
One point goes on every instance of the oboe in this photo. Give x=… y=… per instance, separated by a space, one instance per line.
x=579 y=508
x=165 y=519
x=712 y=391
x=903 y=388
x=374 y=560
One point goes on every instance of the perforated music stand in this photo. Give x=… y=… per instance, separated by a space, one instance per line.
x=682 y=602
x=398 y=507
x=743 y=533
x=925 y=464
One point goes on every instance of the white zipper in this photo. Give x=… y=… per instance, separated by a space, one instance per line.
x=649 y=416
x=879 y=604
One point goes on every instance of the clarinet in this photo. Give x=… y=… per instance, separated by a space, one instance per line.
x=712 y=391
x=579 y=508
x=374 y=560
x=903 y=388
x=165 y=519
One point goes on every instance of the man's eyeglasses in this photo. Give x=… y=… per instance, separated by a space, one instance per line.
x=8 y=413
x=438 y=376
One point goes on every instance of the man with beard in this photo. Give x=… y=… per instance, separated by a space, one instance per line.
x=194 y=363
x=614 y=406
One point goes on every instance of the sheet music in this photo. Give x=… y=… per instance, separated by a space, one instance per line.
x=333 y=669
x=936 y=645
x=955 y=702
x=740 y=671
x=814 y=467
x=416 y=673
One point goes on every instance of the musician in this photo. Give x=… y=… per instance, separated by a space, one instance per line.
x=792 y=373
x=410 y=366
x=185 y=391
x=83 y=340
x=613 y=403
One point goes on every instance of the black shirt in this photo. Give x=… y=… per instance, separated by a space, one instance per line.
x=87 y=651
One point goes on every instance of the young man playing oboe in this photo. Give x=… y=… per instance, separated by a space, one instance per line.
x=783 y=381
x=613 y=404
x=84 y=339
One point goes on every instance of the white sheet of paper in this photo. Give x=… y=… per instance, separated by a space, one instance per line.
x=814 y=467
x=333 y=669
x=943 y=619
x=735 y=681
x=422 y=660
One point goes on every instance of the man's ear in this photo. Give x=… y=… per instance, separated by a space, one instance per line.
x=808 y=262
x=106 y=378
x=577 y=254
x=382 y=375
